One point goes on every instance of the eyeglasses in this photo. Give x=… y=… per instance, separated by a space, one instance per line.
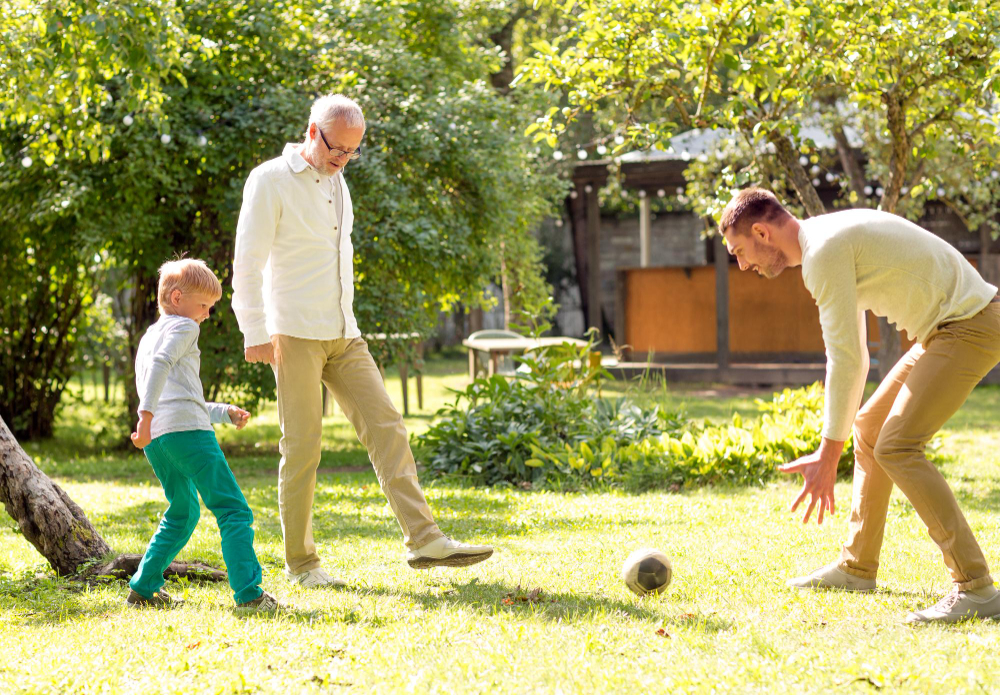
x=337 y=152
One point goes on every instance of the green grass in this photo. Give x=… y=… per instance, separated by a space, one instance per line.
x=728 y=622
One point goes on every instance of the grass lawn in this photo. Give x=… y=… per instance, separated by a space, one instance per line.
x=726 y=623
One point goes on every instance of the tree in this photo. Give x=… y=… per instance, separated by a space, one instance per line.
x=920 y=71
x=47 y=289
x=447 y=180
x=63 y=64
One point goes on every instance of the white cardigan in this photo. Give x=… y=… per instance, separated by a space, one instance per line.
x=293 y=271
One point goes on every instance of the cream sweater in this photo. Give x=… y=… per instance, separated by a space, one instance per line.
x=855 y=260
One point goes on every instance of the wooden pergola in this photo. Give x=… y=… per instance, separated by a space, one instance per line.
x=649 y=178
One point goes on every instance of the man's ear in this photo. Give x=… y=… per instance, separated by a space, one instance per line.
x=760 y=231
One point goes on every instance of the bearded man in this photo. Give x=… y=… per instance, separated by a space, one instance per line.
x=857 y=260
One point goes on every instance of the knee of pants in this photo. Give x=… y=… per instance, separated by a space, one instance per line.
x=892 y=452
x=185 y=515
x=238 y=515
x=864 y=436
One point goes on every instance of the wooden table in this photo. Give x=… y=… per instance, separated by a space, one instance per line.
x=498 y=347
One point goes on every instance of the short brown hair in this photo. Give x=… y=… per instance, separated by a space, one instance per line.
x=186 y=275
x=748 y=206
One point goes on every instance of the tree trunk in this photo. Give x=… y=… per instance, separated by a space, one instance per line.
x=890 y=346
x=989 y=267
x=849 y=160
x=798 y=177
x=47 y=517
x=900 y=156
x=505 y=287
x=503 y=38
x=59 y=529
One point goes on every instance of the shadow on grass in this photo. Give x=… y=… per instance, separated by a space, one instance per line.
x=53 y=601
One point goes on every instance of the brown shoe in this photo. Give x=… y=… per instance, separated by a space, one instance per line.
x=161 y=599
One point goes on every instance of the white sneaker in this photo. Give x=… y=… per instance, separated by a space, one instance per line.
x=832 y=577
x=958 y=605
x=445 y=552
x=314 y=578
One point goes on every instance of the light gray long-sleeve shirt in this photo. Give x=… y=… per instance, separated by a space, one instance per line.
x=855 y=260
x=167 y=366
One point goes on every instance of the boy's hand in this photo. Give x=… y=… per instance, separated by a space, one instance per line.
x=142 y=436
x=238 y=416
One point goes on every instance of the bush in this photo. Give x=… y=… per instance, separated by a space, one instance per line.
x=550 y=426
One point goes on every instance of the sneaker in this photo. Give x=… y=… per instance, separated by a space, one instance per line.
x=445 y=552
x=161 y=599
x=262 y=604
x=832 y=577
x=956 y=606
x=314 y=578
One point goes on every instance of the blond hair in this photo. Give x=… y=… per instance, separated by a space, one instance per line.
x=186 y=275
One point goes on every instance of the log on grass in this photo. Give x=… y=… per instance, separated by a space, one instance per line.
x=124 y=566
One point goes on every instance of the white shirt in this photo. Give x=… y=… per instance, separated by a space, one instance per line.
x=167 y=367
x=857 y=260
x=293 y=271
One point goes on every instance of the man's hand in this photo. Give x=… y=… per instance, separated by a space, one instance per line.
x=142 y=436
x=238 y=417
x=260 y=353
x=819 y=473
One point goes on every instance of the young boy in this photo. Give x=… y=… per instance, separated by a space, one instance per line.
x=175 y=432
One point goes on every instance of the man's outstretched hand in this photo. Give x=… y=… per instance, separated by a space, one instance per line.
x=819 y=474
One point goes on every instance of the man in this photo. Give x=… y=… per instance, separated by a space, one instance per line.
x=293 y=292
x=855 y=260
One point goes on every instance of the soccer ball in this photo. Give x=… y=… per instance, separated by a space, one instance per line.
x=646 y=571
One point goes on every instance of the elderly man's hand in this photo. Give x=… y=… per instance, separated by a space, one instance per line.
x=260 y=353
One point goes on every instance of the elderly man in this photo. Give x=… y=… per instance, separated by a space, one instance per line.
x=293 y=291
x=855 y=260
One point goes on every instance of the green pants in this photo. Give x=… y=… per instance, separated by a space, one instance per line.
x=187 y=463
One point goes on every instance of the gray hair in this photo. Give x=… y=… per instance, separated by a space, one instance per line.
x=336 y=108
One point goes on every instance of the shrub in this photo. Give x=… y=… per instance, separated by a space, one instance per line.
x=549 y=425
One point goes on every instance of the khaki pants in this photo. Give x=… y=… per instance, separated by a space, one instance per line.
x=348 y=370
x=919 y=395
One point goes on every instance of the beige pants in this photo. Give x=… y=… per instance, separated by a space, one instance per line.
x=348 y=370
x=920 y=394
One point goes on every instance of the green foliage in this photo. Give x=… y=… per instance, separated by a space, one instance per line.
x=743 y=452
x=916 y=77
x=63 y=65
x=49 y=284
x=445 y=196
x=550 y=426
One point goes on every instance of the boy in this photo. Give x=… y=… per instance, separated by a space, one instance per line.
x=175 y=432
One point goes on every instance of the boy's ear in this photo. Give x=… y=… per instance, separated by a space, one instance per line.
x=175 y=297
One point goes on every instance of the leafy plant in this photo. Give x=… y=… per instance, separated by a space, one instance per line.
x=543 y=428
